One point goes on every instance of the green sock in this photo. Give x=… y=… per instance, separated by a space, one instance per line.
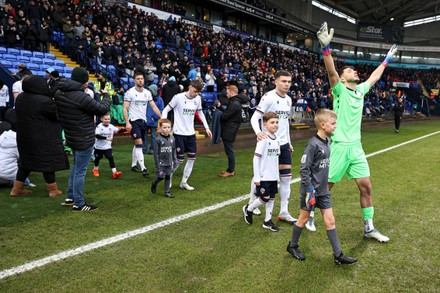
x=368 y=218
x=368 y=213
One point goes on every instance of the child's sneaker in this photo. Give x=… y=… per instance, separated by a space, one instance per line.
x=343 y=259
x=153 y=187
x=84 y=208
x=294 y=251
x=168 y=194
x=247 y=215
x=68 y=202
x=95 y=173
x=145 y=172
x=271 y=226
x=117 y=174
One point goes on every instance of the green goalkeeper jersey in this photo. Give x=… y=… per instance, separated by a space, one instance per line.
x=348 y=104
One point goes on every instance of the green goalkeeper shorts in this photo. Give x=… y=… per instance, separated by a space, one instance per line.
x=347 y=159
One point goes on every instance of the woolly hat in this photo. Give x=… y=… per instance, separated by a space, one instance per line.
x=153 y=89
x=172 y=78
x=80 y=75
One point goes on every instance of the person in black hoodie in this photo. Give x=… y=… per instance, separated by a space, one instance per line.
x=39 y=139
x=230 y=121
x=169 y=90
x=76 y=110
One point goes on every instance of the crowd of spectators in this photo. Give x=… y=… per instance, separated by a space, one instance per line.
x=132 y=40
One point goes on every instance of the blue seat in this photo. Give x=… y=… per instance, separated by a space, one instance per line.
x=36 y=60
x=7 y=64
x=3 y=50
x=13 y=70
x=48 y=62
x=9 y=57
x=26 y=53
x=33 y=67
x=41 y=73
x=68 y=69
x=58 y=68
x=43 y=67
x=38 y=54
x=23 y=59
x=16 y=63
x=111 y=69
x=67 y=75
x=49 y=56
x=59 y=63
x=209 y=98
x=13 y=51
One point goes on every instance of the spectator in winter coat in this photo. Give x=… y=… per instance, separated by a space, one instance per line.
x=76 y=110
x=44 y=36
x=169 y=90
x=38 y=136
x=230 y=121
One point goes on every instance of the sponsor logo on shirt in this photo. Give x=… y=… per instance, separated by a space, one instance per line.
x=166 y=149
x=324 y=163
x=189 y=112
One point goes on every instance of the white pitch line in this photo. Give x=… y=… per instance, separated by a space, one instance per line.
x=94 y=245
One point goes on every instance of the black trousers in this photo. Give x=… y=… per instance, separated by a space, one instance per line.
x=397 y=119
x=22 y=174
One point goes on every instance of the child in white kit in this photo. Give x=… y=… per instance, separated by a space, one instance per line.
x=266 y=173
x=103 y=145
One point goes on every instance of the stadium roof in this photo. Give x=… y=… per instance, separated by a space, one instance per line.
x=382 y=11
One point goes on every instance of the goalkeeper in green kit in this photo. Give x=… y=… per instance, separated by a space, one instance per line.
x=347 y=155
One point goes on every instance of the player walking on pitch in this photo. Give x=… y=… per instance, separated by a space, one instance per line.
x=347 y=155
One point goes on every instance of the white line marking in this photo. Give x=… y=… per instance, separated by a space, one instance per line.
x=91 y=246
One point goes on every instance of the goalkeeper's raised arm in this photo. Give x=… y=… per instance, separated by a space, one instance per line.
x=325 y=37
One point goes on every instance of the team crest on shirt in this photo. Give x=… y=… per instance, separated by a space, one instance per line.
x=262 y=191
x=134 y=135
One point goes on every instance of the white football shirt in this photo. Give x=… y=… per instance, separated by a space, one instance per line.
x=184 y=111
x=107 y=131
x=17 y=87
x=138 y=103
x=272 y=102
x=266 y=166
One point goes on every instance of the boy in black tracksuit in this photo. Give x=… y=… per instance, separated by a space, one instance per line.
x=314 y=170
x=165 y=157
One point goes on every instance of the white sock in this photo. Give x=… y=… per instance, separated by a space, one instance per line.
x=133 y=157
x=252 y=193
x=187 y=170
x=284 y=194
x=312 y=215
x=269 y=209
x=95 y=167
x=368 y=225
x=140 y=158
x=113 y=170
x=255 y=204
